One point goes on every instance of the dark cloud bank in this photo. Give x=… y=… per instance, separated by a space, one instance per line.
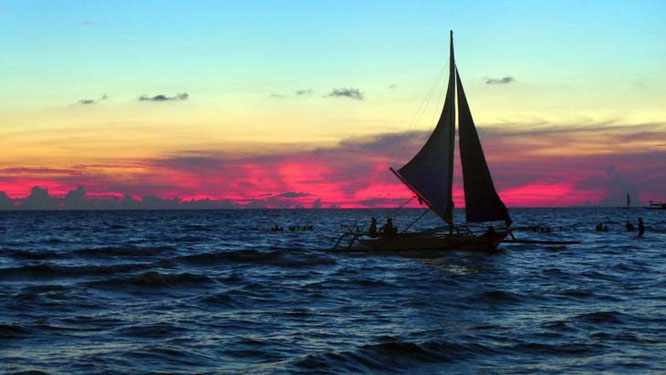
x=515 y=159
x=76 y=199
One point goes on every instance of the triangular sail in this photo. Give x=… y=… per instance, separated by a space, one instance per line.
x=481 y=200
x=430 y=173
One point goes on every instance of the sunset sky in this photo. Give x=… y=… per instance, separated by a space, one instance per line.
x=307 y=103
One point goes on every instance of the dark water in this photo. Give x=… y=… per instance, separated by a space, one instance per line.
x=216 y=292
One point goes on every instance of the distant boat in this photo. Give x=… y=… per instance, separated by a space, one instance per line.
x=429 y=174
x=628 y=204
x=656 y=206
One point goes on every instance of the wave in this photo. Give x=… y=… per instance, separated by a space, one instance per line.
x=601 y=317
x=498 y=296
x=32 y=255
x=10 y=331
x=390 y=355
x=293 y=259
x=199 y=227
x=577 y=293
x=220 y=300
x=159 y=330
x=153 y=279
x=125 y=251
x=573 y=349
x=47 y=270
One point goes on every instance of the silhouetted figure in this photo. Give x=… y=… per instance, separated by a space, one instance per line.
x=372 y=231
x=641 y=227
x=630 y=227
x=388 y=230
x=276 y=228
x=599 y=228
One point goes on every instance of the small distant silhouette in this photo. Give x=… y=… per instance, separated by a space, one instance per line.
x=601 y=228
x=388 y=230
x=372 y=231
x=641 y=227
x=276 y=228
x=630 y=226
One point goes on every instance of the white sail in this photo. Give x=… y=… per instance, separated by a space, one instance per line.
x=430 y=173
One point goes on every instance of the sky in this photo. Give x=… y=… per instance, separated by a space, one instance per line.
x=277 y=104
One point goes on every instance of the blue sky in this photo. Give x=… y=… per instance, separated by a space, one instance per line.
x=592 y=68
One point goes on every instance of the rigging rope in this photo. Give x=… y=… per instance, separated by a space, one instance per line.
x=414 y=222
x=415 y=119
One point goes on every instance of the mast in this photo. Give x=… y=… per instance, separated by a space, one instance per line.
x=430 y=172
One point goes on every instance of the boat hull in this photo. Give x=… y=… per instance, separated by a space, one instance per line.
x=419 y=241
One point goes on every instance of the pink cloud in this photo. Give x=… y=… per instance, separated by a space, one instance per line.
x=528 y=164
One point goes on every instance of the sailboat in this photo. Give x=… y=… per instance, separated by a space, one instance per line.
x=429 y=175
x=628 y=202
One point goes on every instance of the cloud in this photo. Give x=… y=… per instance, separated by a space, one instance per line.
x=533 y=164
x=92 y=101
x=164 y=98
x=6 y=203
x=303 y=92
x=348 y=93
x=392 y=86
x=381 y=202
x=36 y=171
x=39 y=199
x=87 y=101
x=75 y=199
x=291 y=194
x=500 y=81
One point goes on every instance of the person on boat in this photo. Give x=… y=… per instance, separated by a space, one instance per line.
x=372 y=231
x=641 y=227
x=599 y=228
x=630 y=226
x=388 y=230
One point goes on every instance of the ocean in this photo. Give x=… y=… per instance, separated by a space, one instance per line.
x=217 y=292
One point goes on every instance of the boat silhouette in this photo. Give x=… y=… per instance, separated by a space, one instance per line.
x=429 y=175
